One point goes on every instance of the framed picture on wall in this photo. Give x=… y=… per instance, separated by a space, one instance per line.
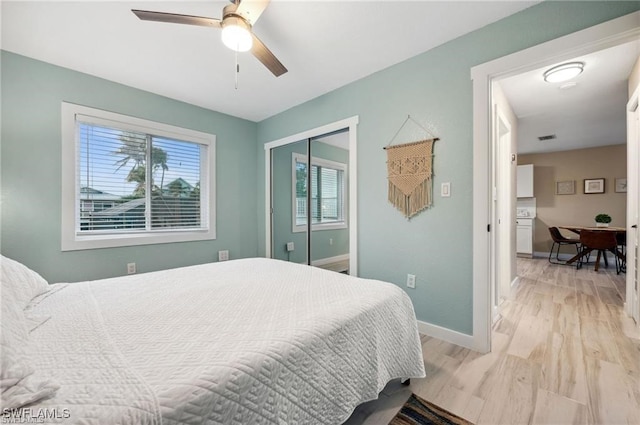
x=567 y=187
x=621 y=185
x=593 y=185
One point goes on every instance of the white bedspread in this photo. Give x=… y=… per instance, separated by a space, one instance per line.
x=252 y=341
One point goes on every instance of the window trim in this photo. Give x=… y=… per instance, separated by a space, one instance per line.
x=70 y=239
x=321 y=162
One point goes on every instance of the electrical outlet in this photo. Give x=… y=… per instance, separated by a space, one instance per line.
x=223 y=255
x=290 y=246
x=411 y=280
x=330 y=241
x=131 y=268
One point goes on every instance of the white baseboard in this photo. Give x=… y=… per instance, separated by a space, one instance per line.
x=329 y=260
x=445 y=334
x=515 y=282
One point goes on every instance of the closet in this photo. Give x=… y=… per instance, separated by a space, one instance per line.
x=309 y=184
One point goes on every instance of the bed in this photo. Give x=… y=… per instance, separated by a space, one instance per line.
x=250 y=341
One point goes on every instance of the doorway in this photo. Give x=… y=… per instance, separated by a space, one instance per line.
x=311 y=178
x=608 y=34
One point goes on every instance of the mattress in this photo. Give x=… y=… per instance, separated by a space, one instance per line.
x=252 y=341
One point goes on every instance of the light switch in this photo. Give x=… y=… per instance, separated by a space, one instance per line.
x=445 y=190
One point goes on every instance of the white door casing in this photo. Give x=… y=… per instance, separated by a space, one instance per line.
x=502 y=210
x=632 y=305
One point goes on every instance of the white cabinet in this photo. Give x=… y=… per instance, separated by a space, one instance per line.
x=524 y=236
x=524 y=181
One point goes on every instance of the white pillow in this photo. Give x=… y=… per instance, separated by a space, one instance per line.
x=22 y=281
x=14 y=340
x=18 y=385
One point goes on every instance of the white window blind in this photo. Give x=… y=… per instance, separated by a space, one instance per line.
x=327 y=193
x=150 y=183
x=139 y=179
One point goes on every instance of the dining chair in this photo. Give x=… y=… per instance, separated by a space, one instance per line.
x=558 y=240
x=601 y=241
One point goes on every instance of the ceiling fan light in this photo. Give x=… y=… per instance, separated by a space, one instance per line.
x=563 y=72
x=236 y=34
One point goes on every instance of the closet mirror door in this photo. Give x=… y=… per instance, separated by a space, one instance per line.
x=288 y=202
x=329 y=201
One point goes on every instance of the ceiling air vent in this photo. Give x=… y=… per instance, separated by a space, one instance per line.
x=548 y=137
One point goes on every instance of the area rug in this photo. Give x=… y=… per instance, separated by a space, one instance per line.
x=417 y=411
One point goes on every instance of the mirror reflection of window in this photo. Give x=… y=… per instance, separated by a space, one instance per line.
x=327 y=192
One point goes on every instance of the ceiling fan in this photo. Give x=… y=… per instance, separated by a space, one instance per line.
x=237 y=20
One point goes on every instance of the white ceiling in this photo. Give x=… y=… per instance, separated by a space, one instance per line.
x=591 y=114
x=324 y=44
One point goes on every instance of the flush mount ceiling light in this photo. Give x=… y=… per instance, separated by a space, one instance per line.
x=563 y=72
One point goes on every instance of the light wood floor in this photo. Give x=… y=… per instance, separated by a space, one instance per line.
x=563 y=353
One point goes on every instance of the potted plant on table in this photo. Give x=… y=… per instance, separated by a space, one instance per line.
x=603 y=220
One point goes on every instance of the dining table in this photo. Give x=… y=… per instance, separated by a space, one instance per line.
x=578 y=229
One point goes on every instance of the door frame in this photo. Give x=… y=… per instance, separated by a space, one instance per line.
x=598 y=37
x=502 y=216
x=632 y=304
x=351 y=124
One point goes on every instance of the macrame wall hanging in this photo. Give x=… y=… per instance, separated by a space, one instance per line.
x=410 y=171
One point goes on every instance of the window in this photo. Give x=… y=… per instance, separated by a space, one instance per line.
x=328 y=206
x=128 y=181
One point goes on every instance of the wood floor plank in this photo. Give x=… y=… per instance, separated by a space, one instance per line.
x=478 y=368
x=510 y=313
x=602 y=280
x=597 y=339
x=540 y=305
x=554 y=409
x=566 y=320
x=563 y=370
x=445 y=348
x=456 y=400
x=566 y=278
x=565 y=295
x=591 y=306
x=609 y=295
x=544 y=288
x=530 y=339
x=440 y=370
x=511 y=399
x=628 y=349
x=585 y=286
x=612 y=398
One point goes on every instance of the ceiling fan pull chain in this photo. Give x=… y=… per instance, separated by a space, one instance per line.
x=237 y=70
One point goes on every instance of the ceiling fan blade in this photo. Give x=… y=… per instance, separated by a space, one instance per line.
x=174 y=18
x=252 y=9
x=268 y=59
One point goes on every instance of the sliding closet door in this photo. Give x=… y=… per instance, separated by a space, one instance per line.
x=289 y=203
x=329 y=202
x=309 y=184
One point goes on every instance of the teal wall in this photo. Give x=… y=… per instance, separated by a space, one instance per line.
x=282 y=208
x=31 y=172
x=436 y=89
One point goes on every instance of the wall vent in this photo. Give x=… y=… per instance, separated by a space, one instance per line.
x=548 y=137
